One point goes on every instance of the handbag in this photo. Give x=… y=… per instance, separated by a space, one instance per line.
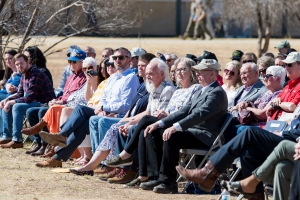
x=247 y=117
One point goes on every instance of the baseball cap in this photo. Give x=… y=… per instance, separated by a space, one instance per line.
x=283 y=44
x=77 y=55
x=72 y=47
x=207 y=63
x=207 y=55
x=137 y=51
x=292 y=57
x=237 y=55
x=191 y=56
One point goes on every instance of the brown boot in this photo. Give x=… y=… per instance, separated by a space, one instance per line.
x=109 y=174
x=49 y=163
x=5 y=141
x=49 y=153
x=12 y=144
x=205 y=177
x=36 y=148
x=41 y=150
x=35 y=129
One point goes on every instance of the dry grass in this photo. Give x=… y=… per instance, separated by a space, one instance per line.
x=21 y=179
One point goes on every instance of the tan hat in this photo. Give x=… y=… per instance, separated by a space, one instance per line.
x=292 y=57
x=283 y=44
x=207 y=63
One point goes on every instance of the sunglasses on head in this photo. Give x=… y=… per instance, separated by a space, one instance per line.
x=246 y=61
x=119 y=57
x=71 y=61
x=231 y=73
x=266 y=76
x=107 y=64
x=87 y=68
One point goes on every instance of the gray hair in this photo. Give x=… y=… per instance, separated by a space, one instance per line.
x=267 y=61
x=253 y=66
x=90 y=48
x=277 y=71
x=89 y=61
x=172 y=55
x=188 y=63
x=162 y=66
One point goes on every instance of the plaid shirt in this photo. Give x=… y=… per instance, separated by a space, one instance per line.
x=74 y=83
x=34 y=86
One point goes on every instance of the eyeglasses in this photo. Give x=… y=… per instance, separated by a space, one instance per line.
x=119 y=57
x=245 y=73
x=262 y=71
x=169 y=60
x=231 y=73
x=180 y=70
x=266 y=76
x=246 y=61
x=107 y=64
x=87 y=68
x=71 y=61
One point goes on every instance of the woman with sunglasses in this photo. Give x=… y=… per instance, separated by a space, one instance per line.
x=273 y=80
x=232 y=80
x=263 y=63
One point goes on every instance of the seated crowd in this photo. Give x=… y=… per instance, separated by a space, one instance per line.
x=130 y=115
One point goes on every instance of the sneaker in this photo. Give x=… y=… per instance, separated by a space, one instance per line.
x=109 y=174
x=134 y=184
x=118 y=162
x=124 y=176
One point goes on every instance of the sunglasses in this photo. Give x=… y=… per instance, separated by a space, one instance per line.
x=119 y=57
x=71 y=61
x=87 y=68
x=266 y=76
x=289 y=65
x=262 y=71
x=231 y=73
x=107 y=64
x=246 y=61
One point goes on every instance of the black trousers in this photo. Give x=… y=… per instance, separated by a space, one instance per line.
x=295 y=182
x=253 y=146
x=137 y=141
x=169 y=151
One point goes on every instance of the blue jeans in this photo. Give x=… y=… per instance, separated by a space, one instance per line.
x=99 y=125
x=13 y=121
x=241 y=128
x=76 y=128
x=2 y=96
x=34 y=115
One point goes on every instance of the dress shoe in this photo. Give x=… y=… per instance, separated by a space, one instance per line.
x=34 y=129
x=12 y=144
x=49 y=153
x=205 y=177
x=166 y=188
x=103 y=170
x=36 y=148
x=4 y=141
x=109 y=174
x=41 y=150
x=150 y=184
x=124 y=176
x=49 y=163
x=54 y=139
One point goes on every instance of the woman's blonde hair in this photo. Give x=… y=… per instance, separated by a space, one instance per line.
x=237 y=65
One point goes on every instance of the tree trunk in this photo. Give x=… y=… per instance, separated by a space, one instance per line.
x=259 y=29
x=267 y=30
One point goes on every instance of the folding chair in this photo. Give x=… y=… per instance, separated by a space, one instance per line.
x=205 y=151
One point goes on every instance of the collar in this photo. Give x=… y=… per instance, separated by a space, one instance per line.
x=205 y=88
x=292 y=84
x=30 y=69
x=124 y=73
x=78 y=73
x=160 y=88
x=249 y=88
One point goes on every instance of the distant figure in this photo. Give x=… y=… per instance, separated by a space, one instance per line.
x=191 y=23
x=237 y=55
x=283 y=47
x=200 y=23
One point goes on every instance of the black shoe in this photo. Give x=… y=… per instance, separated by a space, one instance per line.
x=150 y=185
x=36 y=148
x=166 y=188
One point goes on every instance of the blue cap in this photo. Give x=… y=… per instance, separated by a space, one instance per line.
x=77 y=54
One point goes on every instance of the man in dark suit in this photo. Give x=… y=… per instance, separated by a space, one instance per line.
x=195 y=125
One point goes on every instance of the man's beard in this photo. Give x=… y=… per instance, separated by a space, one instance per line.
x=150 y=86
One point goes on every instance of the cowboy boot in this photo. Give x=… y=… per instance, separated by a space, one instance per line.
x=35 y=129
x=41 y=150
x=205 y=177
x=36 y=148
x=50 y=152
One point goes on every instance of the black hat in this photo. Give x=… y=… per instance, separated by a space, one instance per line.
x=191 y=56
x=237 y=55
x=207 y=55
